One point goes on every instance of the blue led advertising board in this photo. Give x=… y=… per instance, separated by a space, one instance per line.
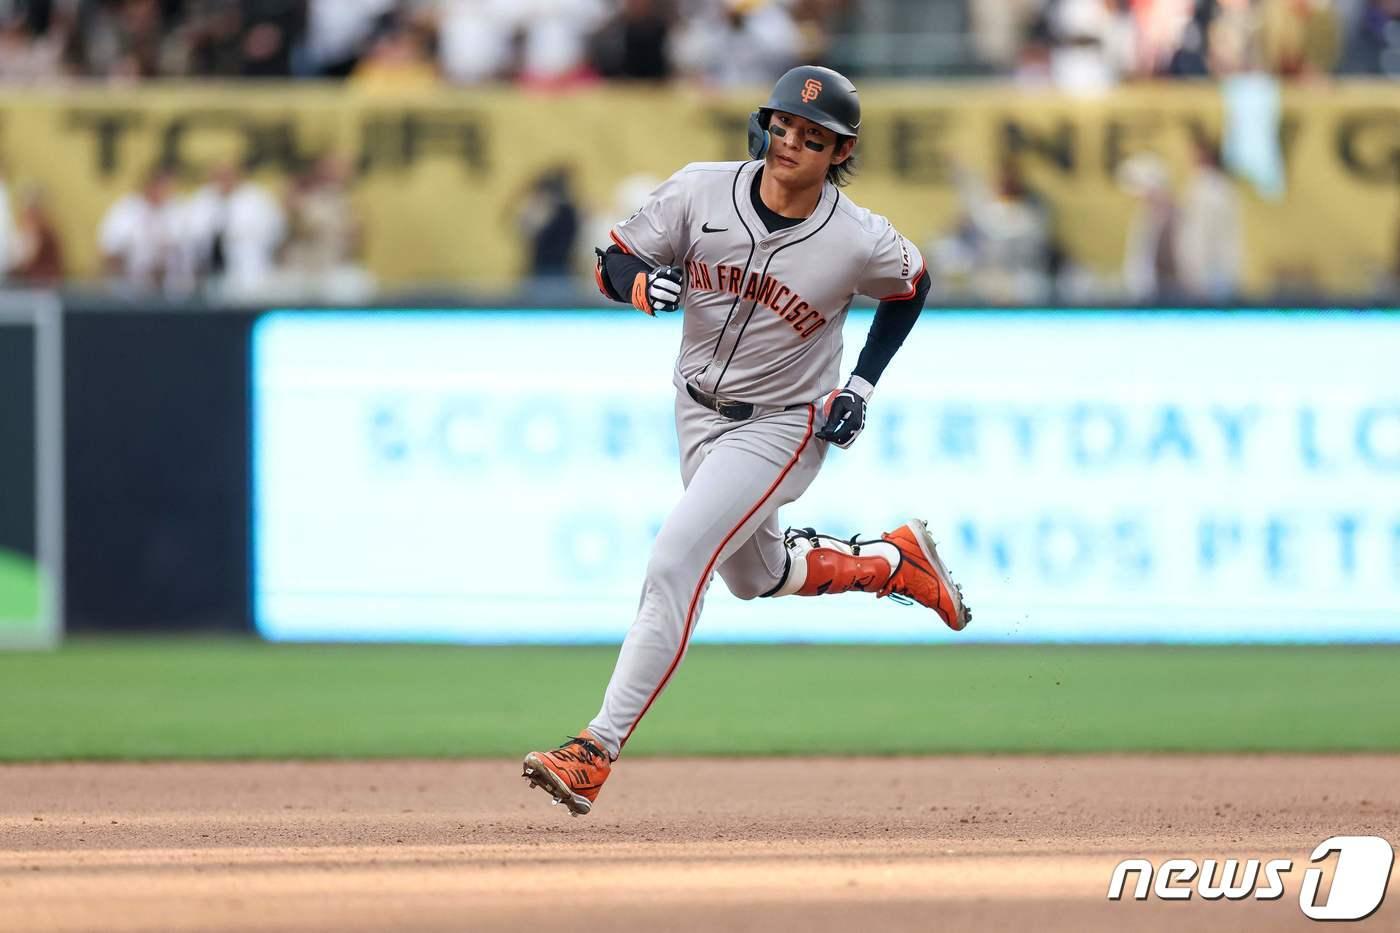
x=498 y=477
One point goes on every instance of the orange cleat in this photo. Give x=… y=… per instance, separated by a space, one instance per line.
x=922 y=577
x=572 y=774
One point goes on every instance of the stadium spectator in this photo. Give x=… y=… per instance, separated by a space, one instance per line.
x=1002 y=249
x=815 y=19
x=476 y=39
x=1094 y=46
x=337 y=32
x=211 y=39
x=244 y=38
x=1084 y=45
x=127 y=40
x=1209 y=239
x=1033 y=57
x=1189 y=55
x=398 y=60
x=736 y=42
x=634 y=44
x=9 y=235
x=1149 y=253
x=324 y=239
x=27 y=58
x=1000 y=29
x=140 y=236
x=1373 y=43
x=1299 y=38
x=555 y=39
x=37 y=259
x=234 y=228
x=548 y=219
x=1233 y=39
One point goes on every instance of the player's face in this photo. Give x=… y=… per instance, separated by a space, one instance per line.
x=790 y=157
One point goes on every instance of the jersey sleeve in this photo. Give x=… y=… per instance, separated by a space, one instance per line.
x=656 y=233
x=894 y=267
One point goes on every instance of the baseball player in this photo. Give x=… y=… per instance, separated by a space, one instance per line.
x=766 y=256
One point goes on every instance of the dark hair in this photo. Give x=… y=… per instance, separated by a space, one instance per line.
x=840 y=175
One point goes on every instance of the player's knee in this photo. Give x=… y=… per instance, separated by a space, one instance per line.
x=745 y=589
x=747 y=585
x=669 y=566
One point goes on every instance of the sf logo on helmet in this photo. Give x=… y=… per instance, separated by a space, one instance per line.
x=810 y=90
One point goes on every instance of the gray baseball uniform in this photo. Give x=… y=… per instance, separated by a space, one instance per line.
x=762 y=324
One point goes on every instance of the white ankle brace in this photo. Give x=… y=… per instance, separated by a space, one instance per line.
x=800 y=544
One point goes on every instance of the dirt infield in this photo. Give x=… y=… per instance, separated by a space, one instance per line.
x=802 y=844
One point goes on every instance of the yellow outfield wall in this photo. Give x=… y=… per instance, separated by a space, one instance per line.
x=439 y=174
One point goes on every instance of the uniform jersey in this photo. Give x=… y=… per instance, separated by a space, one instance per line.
x=763 y=311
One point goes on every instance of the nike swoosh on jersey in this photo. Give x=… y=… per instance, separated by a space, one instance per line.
x=706 y=228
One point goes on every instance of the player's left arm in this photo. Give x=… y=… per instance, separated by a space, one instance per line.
x=895 y=273
x=845 y=407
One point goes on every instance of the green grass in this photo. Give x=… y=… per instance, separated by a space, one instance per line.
x=19 y=589
x=193 y=698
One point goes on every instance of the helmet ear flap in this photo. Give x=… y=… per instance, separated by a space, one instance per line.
x=758 y=135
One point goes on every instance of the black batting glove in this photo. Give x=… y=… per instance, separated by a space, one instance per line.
x=658 y=290
x=845 y=417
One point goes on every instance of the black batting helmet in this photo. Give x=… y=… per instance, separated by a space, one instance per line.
x=821 y=95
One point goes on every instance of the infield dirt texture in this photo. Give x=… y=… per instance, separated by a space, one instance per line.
x=986 y=843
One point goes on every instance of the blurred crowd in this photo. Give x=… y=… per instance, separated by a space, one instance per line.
x=383 y=43
x=229 y=239
x=1089 y=45
x=1180 y=246
x=232 y=238
x=1071 y=44
x=1184 y=243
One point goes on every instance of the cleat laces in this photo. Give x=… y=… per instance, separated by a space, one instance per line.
x=590 y=752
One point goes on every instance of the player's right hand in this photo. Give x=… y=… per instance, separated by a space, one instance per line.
x=658 y=290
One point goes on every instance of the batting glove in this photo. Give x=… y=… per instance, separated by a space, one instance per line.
x=657 y=290
x=845 y=415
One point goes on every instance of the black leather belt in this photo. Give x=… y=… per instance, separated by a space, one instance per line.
x=734 y=411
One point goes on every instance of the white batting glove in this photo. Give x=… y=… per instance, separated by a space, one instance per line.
x=658 y=290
